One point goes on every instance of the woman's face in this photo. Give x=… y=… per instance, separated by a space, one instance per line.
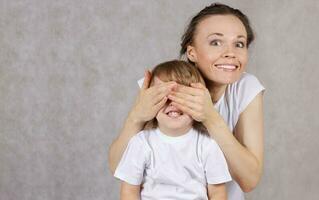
x=219 y=48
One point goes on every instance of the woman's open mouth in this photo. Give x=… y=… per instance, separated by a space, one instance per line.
x=226 y=67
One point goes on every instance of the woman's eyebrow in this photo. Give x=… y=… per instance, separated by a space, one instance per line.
x=218 y=34
x=241 y=36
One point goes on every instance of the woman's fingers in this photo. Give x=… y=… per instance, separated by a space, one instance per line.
x=198 y=85
x=157 y=98
x=185 y=96
x=189 y=90
x=185 y=109
x=151 y=99
x=195 y=100
x=162 y=90
x=147 y=79
x=160 y=104
x=189 y=104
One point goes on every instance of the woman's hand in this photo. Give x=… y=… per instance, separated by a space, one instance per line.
x=150 y=99
x=195 y=101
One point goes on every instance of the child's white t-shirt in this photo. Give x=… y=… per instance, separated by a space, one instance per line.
x=176 y=168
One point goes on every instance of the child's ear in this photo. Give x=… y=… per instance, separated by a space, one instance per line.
x=191 y=53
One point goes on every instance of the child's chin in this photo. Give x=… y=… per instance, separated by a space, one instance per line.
x=178 y=126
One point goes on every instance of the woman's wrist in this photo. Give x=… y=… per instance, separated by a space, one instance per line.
x=213 y=117
x=133 y=120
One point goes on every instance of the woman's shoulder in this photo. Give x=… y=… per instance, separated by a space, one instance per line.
x=244 y=90
x=247 y=80
x=247 y=83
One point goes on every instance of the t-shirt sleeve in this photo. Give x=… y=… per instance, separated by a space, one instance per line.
x=215 y=165
x=133 y=162
x=247 y=89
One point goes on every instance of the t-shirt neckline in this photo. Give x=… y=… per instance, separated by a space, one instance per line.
x=176 y=139
x=216 y=105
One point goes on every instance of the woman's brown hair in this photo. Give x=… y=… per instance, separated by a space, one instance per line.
x=182 y=73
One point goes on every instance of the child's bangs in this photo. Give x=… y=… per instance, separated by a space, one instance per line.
x=180 y=75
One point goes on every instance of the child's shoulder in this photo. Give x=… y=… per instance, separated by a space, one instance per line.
x=142 y=136
x=206 y=141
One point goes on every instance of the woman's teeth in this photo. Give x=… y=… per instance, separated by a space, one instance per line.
x=227 y=67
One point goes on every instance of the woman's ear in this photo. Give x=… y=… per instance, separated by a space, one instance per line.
x=191 y=53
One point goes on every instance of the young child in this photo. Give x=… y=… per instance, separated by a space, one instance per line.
x=173 y=159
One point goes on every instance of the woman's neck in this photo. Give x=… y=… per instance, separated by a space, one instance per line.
x=216 y=91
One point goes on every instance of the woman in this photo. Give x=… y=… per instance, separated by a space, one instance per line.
x=231 y=108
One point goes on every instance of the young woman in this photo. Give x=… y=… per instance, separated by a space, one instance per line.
x=231 y=108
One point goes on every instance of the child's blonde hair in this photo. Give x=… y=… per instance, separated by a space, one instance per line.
x=182 y=73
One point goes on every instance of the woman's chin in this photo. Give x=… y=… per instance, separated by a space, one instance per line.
x=225 y=78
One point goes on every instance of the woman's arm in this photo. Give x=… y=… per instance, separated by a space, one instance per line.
x=130 y=192
x=147 y=104
x=244 y=150
x=217 y=191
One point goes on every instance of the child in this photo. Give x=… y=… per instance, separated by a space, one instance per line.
x=173 y=158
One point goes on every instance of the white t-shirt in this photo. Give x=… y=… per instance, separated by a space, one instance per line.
x=173 y=168
x=234 y=101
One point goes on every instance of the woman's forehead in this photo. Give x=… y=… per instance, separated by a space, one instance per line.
x=226 y=25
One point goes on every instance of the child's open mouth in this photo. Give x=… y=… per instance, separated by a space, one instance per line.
x=173 y=112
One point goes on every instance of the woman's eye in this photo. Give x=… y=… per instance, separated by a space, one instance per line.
x=215 y=43
x=240 y=44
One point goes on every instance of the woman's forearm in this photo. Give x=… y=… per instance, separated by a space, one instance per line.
x=118 y=146
x=130 y=192
x=217 y=191
x=244 y=166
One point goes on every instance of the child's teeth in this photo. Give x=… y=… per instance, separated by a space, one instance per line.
x=173 y=114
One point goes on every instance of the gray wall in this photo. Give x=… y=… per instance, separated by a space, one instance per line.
x=68 y=72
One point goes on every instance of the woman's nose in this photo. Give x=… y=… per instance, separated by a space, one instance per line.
x=229 y=52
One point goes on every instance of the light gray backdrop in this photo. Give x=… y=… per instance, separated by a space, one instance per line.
x=68 y=72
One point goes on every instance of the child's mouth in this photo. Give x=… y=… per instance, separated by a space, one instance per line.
x=174 y=114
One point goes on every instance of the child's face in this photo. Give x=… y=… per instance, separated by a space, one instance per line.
x=172 y=120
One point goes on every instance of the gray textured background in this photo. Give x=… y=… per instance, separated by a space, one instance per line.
x=68 y=72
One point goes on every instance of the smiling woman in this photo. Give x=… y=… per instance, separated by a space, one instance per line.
x=231 y=107
x=219 y=48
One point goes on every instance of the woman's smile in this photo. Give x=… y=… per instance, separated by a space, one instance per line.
x=226 y=67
